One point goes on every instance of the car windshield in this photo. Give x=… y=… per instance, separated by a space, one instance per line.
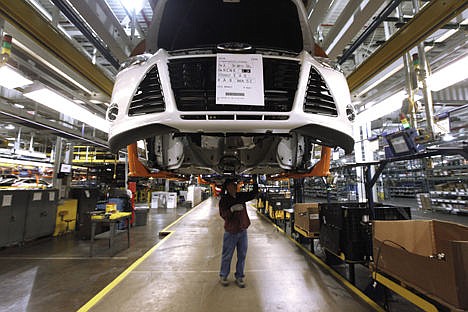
x=189 y=24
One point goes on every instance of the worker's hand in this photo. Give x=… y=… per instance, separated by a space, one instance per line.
x=237 y=207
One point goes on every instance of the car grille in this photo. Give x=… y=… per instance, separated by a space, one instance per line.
x=193 y=82
x=148 y=98
x=318 y=99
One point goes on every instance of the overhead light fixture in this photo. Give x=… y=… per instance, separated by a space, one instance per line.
x=95 y=101
x=10 y=78
x=9 y=127
x=449 y=33
x=385 y=107
x=448 y=137
x=63 y=105
x=449 y=75
x=18 y=105
x=49 y=65
x=340 y=34
x=387 y=73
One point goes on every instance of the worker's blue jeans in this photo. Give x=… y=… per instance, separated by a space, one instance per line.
x=232 y=241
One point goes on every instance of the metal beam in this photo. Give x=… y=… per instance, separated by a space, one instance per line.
x=345 y=15
x=369 y=30
x=352 y=27
x=25 y=18
x=318 y=13
x=432 y=17
x=103 y=21
x=77 y=20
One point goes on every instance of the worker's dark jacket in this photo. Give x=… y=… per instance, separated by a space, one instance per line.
x=235 y=222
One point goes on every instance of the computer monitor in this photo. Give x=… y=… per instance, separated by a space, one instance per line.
x=400 y=146
x=402 y=142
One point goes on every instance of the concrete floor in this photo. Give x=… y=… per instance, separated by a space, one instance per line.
x=182 y=274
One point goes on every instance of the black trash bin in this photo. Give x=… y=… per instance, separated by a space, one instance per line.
x=141 y=216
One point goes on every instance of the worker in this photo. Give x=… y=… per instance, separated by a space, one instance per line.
x=232 y=209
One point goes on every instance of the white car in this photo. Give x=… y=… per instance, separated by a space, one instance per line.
x=230 y=86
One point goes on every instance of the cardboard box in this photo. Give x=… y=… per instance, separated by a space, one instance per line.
x=306 y=216
x=428 y=255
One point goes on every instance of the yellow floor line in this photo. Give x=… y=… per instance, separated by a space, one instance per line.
x=133 y=266
x=335 y=274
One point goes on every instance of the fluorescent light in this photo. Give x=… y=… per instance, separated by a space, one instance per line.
x=25 y=162
x=18 y=105
x=384 y=77
x=449 y=75
x=56 y=69
x=448 y=137
x=446 y=35
x=10 y=127
x=383 y=108
x=95 y=101
x=10 y=78
x=340 y=34
x=61 y=104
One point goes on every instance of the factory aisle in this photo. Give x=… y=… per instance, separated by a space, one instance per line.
x=181 y=274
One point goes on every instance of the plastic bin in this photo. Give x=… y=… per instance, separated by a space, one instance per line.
x=141 y=216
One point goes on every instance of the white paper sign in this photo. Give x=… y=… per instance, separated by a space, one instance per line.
x=7 y=200
x=37 y=196
x=51 y=196
x=239 y=79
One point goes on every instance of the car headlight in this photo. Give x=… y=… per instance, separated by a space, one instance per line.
x=135 y=60
x=326 y=62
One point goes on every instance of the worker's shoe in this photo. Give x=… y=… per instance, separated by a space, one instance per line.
x=223 y=280
x=240 y=282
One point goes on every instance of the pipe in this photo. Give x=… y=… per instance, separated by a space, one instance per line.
x=375 y=23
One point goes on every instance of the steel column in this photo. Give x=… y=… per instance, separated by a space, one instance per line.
x=423 y=74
